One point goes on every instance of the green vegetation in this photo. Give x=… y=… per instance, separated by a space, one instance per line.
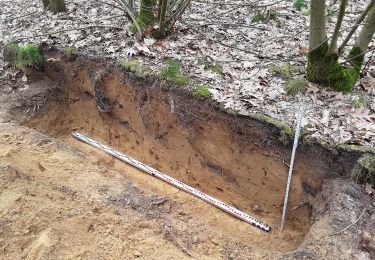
x=357 y=56
x=29 y=56
x=299 y=4
x=70 y=52
x=202 y=91
x=265 y=16
x=295 y=86
x=210 y=65
x=365 y=169
x=362 y=101
x=284 y=128
x=135 y=66
x=10 y=53
x=172 y=72
x=22 y=57
x=285 y=70
x=146 y=16
x=324 y=69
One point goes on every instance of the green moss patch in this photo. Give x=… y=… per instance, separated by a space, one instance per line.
x=22 y=57
x=135 y=66
x=324 y=69
x=172 y=72
x=202 y=91
x=284 y=128
x=295 y=86
x=365 y=169
x=356 y=57
x=10 y=53
x=356 y=148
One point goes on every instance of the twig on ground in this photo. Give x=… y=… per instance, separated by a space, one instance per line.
x=355 y=222
x=168 y=230
x=158 y=202
x=299 y=205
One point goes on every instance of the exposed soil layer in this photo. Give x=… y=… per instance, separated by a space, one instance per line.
x=237 y=159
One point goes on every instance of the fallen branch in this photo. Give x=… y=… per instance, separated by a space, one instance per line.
x=355 y=222
x=299 y=205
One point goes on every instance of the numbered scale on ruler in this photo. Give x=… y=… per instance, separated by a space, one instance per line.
x=215 y=202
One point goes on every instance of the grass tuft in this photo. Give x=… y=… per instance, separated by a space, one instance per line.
x=70 y=52
x=324 y=69
x=202 y=91
x=10 y=53
x=172 y=72
x=29 y=56
x=135 y=66
x=299 y=4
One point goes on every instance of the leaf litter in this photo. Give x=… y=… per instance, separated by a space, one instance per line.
x=244 y=38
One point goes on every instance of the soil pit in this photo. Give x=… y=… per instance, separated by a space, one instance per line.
x=236 y=159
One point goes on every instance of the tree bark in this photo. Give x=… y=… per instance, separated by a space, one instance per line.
x=317 y=33
x=336 y=33
x=45 y=4
x=354 y=28
x=146 y=15
x=367 y=32
x=163 y=10
x=58 y=6
x=357 y=53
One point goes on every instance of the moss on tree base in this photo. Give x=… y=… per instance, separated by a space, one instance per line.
x=146 y=16
x=324 y=68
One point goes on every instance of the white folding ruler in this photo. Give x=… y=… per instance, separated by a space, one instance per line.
x=217 y=203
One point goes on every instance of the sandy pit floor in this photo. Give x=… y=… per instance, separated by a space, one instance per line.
x=62 y=199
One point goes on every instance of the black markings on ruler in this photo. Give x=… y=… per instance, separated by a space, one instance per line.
x=215 y=202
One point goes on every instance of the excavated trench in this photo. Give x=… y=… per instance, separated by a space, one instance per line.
x=237 y=159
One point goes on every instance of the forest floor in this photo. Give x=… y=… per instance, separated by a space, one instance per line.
x=60 y=199
x=245 y=62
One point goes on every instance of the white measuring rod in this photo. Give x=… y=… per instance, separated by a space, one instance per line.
x=217 y=203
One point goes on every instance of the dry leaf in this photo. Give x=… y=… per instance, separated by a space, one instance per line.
x=369 y=189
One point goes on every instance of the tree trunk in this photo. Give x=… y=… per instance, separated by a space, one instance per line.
x=56 y=6
x=357 y=23
x=367 y=32
x=357 y=55
x=163 y=11
x=146 y=16
x=46 y=4
x=317 y=23
x=322 y=66
x=336 y=33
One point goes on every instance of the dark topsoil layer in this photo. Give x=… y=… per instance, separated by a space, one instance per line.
x=317 y=166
